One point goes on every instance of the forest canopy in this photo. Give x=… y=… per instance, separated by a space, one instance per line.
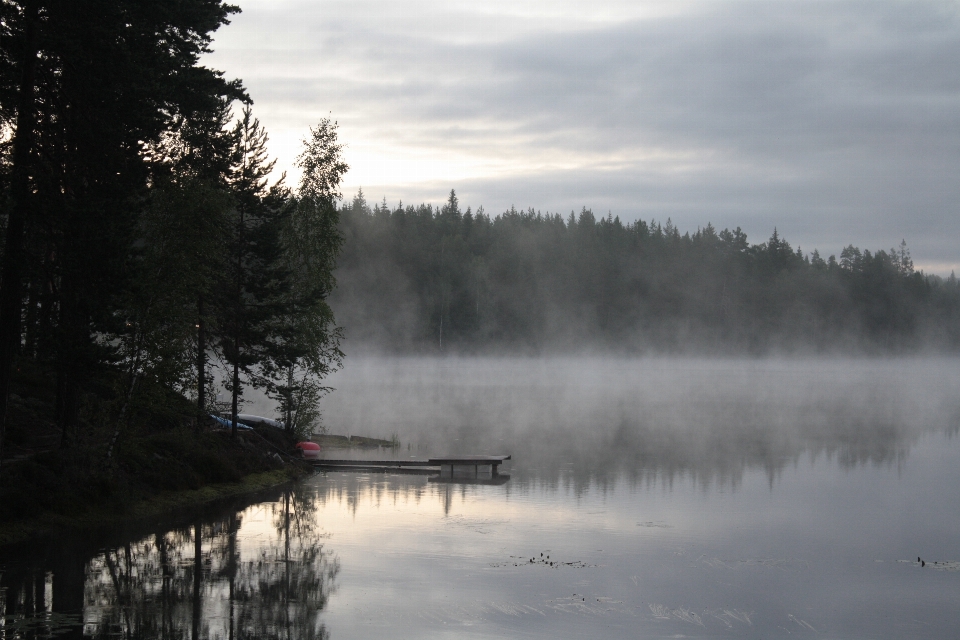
x=431 y=279
x=146 y=242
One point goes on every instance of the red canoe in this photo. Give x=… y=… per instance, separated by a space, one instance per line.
x=309 y=449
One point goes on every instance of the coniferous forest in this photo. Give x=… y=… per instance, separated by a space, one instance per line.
x=430 y=279
x=149 y=249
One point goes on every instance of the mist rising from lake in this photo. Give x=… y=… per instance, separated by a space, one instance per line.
x=647 y=497
x=597 y=417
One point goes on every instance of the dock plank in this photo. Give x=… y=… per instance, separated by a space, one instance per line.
x=469 y=459
x=374 y=463
x=443 y=464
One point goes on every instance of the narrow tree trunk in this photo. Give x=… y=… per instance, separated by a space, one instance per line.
x=236 y=397
x=121 y=418
x=30 y=321
x=10 y=297
x=288 y=422
x=45 y=312
x=68 y=339
x=201 y=365
x=237 y=326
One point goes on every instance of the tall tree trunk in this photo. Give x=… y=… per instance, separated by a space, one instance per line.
x=30 y=321
x=237 y=325
x=201 y=364
x=68 y=341
x=10 y=297
x=236 y=397
x=131 y=389
x=288 y=422
x=47 y=291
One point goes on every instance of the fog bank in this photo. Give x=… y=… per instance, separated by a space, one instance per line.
x=707 y=418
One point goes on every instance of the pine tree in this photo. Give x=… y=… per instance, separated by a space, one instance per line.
x=256 y=281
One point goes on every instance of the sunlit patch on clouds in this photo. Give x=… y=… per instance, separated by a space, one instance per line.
x=835 y=122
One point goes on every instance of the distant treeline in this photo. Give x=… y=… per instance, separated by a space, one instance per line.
x=429 y=279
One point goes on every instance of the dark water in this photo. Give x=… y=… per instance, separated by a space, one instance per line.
x=649 y=498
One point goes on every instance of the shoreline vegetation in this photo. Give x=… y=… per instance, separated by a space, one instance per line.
x=168 y=462
x=52 y=481
x=104 y=503
x=162 y=505
x=192 y=482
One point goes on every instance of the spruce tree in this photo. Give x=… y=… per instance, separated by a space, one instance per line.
x=252 y=294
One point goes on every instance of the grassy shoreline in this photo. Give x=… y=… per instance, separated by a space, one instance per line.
x=150 y=474
x=153 y=476
x=161 y=461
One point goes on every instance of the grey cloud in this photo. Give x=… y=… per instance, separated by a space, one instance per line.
x=837 y=120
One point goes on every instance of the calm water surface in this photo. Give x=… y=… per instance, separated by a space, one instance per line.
x=755 y=499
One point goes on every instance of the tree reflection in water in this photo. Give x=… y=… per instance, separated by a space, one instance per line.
x=280 y=593
x=233 y=578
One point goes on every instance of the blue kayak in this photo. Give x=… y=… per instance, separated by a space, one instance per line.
x=228 y=424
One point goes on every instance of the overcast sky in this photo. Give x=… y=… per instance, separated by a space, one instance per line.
x=836 y=122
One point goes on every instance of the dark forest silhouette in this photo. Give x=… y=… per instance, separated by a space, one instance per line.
x=427 y=279
x=144 y=241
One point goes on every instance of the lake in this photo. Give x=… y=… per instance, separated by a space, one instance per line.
x=647 y=498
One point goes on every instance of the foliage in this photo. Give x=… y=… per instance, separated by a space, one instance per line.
x=415 y=278
x=142 y=235
x=306 y=347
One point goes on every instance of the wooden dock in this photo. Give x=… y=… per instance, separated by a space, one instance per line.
x=460 y=466
x=449 y=467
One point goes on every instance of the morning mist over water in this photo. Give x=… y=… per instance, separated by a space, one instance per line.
x=659 y=497
x=595 y=418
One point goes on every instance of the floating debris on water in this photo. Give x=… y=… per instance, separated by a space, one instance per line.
x=580 y=603
x=542 y=560
x=939 y=565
